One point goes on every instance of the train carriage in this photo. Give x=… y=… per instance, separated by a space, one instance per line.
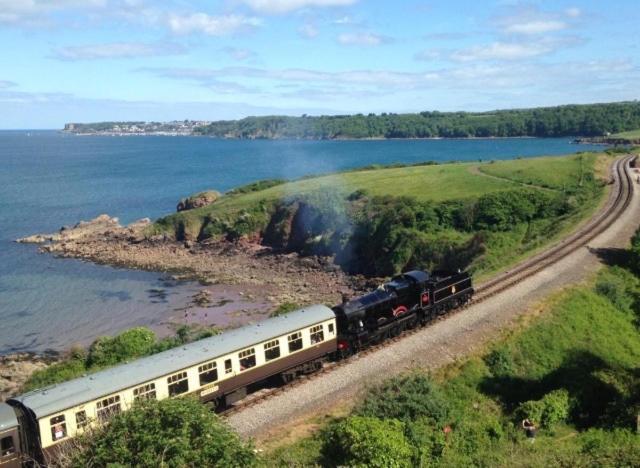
x=217 y=369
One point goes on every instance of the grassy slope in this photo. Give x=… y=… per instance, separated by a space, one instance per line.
x=632 y=135
x=433 y=183
x=581 y=342
x=553 y=173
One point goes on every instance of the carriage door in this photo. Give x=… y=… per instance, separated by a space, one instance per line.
x=9 y=455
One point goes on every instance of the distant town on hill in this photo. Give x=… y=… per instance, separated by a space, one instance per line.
x=590 y=120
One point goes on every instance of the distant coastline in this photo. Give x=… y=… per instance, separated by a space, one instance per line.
x=582 y=121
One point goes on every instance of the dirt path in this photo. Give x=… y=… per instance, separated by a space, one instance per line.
x=437 y=345
x=475 y=170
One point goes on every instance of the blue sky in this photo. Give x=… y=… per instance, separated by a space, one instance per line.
x=89 y=60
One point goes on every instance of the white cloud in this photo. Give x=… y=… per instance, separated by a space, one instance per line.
x=34 y=12
x=116 y=50
x=573 y=12
x=4 y=84
x=501 y=51
x=239 y=54
x=308 y=31
x=363 y=39
x=537 y=81
x=345 y=20
x=535 y=27
x=428 y=54
x=514 y=50
x=211 y=25
x=285 y=6
x=531 y=20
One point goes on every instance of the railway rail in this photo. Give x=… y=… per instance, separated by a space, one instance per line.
x=617 y=203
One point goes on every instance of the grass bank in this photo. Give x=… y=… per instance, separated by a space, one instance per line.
x=630 y=135
x=482 y=216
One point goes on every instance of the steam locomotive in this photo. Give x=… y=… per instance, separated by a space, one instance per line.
x=218 y=370
x=409 y=299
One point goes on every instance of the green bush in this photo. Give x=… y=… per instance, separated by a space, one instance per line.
x=615 y=284
x=550 y=410
x=406 y=398
x=284 y=309
x=427 y=439
x=172 y=432
x=370 y=442
x=499 y=362
x=135 y=342
x=256 y=186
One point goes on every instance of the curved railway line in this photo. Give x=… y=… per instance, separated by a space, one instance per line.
x=618 y=201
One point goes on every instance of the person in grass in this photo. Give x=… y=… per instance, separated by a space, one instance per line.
x=529 y=429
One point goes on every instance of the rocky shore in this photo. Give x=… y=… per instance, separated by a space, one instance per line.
x=271 y=276
x=15 y=369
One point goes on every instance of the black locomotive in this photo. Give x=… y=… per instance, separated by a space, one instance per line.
x=407 y=300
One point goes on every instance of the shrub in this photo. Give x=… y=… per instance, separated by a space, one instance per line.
x=614 y=285
x=171 y=432
x=284 y=308
x=427 y=439
x=499 y=362
x=550 y=410
x=129 y=344
x=256 y=186
x=365 y=441
x=406 y=398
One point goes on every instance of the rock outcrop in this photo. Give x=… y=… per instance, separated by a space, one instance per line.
x=198 y=200
x=15 y=369
x=103 y=225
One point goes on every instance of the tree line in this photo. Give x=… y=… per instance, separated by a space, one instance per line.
x=568 y=120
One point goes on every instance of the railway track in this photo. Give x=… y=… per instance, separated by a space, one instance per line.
x=618 y=201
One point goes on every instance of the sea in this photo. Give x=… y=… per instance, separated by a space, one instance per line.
x=49 y=179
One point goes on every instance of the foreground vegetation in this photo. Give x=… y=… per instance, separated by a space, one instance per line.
x=574 y=371
x=379 y=221
x=572 y=120
x=168 y=433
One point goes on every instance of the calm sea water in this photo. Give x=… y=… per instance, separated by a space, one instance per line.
x=48 y=180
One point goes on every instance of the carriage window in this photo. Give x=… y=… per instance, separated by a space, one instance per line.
x=271 y=350
x=295 y=342
x=208 y=373
x=331 y=329
x=6 y=446
x=146 y=392
x=81 y=419
x=227 y=366
x=317 y=335
x=108 y=407
x=247 y=358
x=178 y=384
x=58 y=427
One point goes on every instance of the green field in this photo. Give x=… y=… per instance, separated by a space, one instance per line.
x=482 y=216
x=574 y=370
x=550 y=172
x=434 y=183
x=631 y=135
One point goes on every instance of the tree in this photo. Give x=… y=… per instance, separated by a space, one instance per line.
x=371 y=442
x=171 y=433
x=406 y=398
